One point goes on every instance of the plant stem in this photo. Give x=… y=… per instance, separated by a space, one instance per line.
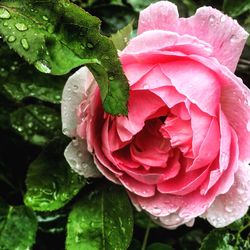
x=145 y=240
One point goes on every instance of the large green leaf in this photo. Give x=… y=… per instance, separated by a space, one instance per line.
x=101 y=221
x=50 y=181
x=18 y=226
x=122 y=36
x=236 y=8
x=217 y=240
x=57 y=36
x=36 y=123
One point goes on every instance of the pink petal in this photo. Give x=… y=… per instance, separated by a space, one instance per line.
x=235 y=96
x=184 y=183
x=209 y=148
x=192 y=79
x=225 y=35
x=131 y=125
x=138 y=188
x=234 y=204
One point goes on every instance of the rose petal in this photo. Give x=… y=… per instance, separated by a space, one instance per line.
x=192 y=80
x=80 y=159
x=225 y=35
x=234 y=204
x=76 y=86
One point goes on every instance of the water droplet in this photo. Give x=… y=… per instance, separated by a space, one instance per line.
x=233 y=39
x=11 y=39
x=79 y=154
x=146 y=86
x=30 y=124
x=43 y=66
x=240 y=190
x=25 y=44
x=45 y=18
x=111 y=78
x=212 y=19
x=5 y=24
x=228 y=209
x=4 y=14
x=248 y=126
x=21 y=26
x=75 y=87
x=223 y=18
x=156 y=210
x=90 y=45
x=72 y=163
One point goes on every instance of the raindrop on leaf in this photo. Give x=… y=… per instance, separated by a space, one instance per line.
x=43 y=66
x=4 y=14
x=25 y=44
x=21 y=26
x=11 y=39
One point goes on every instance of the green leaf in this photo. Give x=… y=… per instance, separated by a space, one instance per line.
x=121 y=37
x=101 y=220
x=57 y=36
x=50 y=181
x=36 y=123
x=236 y=8
x=18 y=226
x=217 y=240
x=159 y=246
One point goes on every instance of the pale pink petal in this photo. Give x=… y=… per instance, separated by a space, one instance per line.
x=234 y=204
x=159 y=16
x=209 y=148
x=193 y=79
x=75 y=88
x=184 y=183
x=224 y=34
x=199 y=122
x=160 y=40
x=235 y=96
x=136 y=187
x=80 y=159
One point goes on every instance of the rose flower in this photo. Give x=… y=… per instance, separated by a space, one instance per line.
x=184 y=148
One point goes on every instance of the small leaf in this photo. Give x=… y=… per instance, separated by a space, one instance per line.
x=217 y=240
x=101 y=220
x=58 y=36
x=18 y=226
x=159 y=246
x=121 y=38
x=50 y=181
x=36 y=123
x=236 y=8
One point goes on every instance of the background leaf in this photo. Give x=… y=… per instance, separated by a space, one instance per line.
x=101 y=220
x=50 y=181
x=44 y=32
x=18 y=227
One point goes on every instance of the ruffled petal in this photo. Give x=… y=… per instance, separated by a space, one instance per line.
x=224 y=34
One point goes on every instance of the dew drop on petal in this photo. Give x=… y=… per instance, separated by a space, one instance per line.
x=223 y=18
x=248 y=126
x=156 y=210
x=212 y=19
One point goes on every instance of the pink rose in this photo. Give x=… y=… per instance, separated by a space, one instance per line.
x=183 y=151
